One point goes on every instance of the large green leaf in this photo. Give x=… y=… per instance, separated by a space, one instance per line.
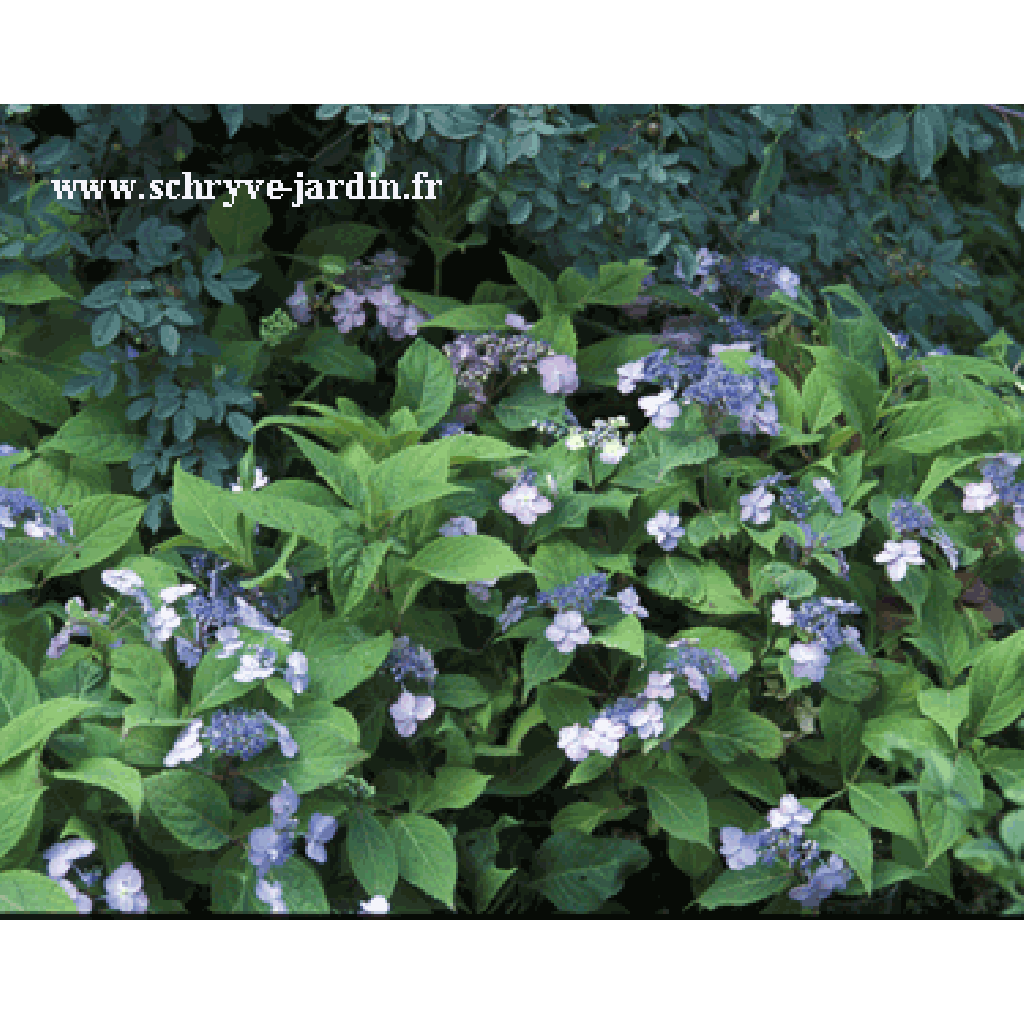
x=98 y=432
x=371 y=853
x=111 y=774
x=424 y=382
x=339 y=661
x=578 y=872
x=104 y=523
x=996 y=682
x=839 y=832
x=35 y=725
x=880 y=807
x=677 y=805
x=28 y=892
x=18 y=690
x=426 y=855
x=467 y=559
x=208 y=514
x=741 y=888
x=33 y=394
x=193 y=808
x=730 y=731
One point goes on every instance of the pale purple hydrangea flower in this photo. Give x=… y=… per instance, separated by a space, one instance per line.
x=787 y=282
x=567 y=632
x=558 y=375
x=171 y=594
x=163 y=623
x=289 y=748
x=809 y=661
x=756 y=506
x=605 y=735
x=629 y=603
x=187 y=747
x=284 y=804
x=790 y=815
x=296 y=674
x=630 y=374
x=660 y=408
x=253 y=666
x=481 y=590
x=782 y=614
x=825 y=489
x=575 y=741
x=648 y=720
x=259 y=479
x=898 y=556
x=377 y=905
x=271 y=893
x=458 y=526
x=978 y=497
x=525 y=503
x=321 y=830
x=124 y=581
x=124 y=890
x=739 y=849
x=409 y=710
x=659 y=684
x=665 y=529
x=59 y=857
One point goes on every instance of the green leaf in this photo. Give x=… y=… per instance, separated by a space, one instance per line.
x=996 y=683
x=97 y=432
x=598 y=363
x=346 y=240
x=946 y=707
x=301 y=888
x=272 y=506
x=467 y=559
x=452 y=788
x=484 y=317
x=339 y=662
x=533 y=282
x=741 y=888
x=721 y=596
x=626 y=635
x=900 y=732
x=880 y=807
x=424 y=382
x=104 y=523
x=28 y=892
x=140 y=672
x=769 y=177
x=577 y=873
x=948 y=793
x=564 y=704
x=35 y=725
x=677 y=578
x=1007 y=769
x=326 y=353
x=841 y=726
x=839 y=832
x=528 y=402
x=426 y=855
x=371 y=853
x=17 y=806
x=33 y=394
x=541 y=662
x=413 y=476
x=108 y=773
x=238 y=222
x=677 y=805
x=193 y=808
x=208 y=514
x=459 y=691
x=885 y=138
x=18 y=691
x=730 y=731
x=530 y=777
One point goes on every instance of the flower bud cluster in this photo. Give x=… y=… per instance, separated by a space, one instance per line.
x=230 y=733
x=783 y=839
x=402 y=660
x=360 y=285
x=605 y=435
x=476 y=357
x=908 y=516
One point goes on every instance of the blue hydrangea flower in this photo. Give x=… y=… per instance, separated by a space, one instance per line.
x=790 y=815
x=188 y=746
x=60 y=856
x=271 y=893
x=458 y=526
x=629 y=603
x=409 y=710
x=756 y=506
x=513 y=613
x=898 y=556
x=809 y=661
x=558 y=375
